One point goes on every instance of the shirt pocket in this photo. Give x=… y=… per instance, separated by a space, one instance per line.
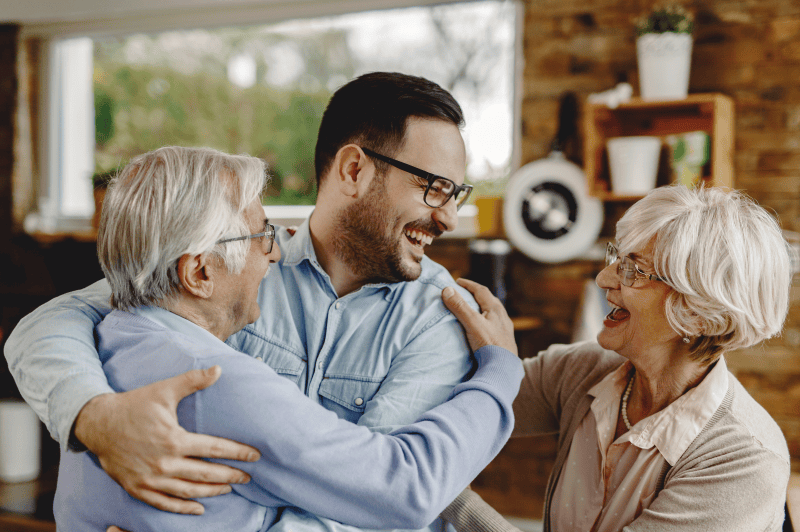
x=286 y=362
x=348 y=396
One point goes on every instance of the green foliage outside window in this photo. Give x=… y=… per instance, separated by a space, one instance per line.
x=142 y=108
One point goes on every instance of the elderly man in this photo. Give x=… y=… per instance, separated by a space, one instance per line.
x=184 y=245
x=351 y=314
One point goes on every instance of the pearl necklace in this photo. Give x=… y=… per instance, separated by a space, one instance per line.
x=625 y=402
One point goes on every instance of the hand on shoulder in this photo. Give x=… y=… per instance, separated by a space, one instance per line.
x=491 y=326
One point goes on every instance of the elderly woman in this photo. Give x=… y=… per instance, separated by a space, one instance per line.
x=653 y=431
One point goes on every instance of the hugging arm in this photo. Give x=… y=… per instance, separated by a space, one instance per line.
x=422 y=375
x=341 y=471
x=52 y=356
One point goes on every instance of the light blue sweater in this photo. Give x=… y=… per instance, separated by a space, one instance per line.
x=310 y=457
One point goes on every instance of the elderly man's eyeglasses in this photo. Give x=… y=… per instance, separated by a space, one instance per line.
x=267 y=237
x=439 y=189
x=627 y=270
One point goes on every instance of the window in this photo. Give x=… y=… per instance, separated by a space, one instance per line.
x=262 y=90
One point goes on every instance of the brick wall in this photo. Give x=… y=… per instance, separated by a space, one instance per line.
x=747 y=50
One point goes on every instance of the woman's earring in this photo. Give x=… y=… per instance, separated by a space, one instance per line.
x=686 y=340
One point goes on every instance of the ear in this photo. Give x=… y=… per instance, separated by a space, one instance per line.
x=348 y=171
x=196 y=275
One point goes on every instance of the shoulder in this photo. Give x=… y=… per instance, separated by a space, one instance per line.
x=753 y=422
x=579 y=361
x=432 y=280
x=741 y=438
x=125 y=333
x=422 y=298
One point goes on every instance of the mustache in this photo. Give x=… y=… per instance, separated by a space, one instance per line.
x=428 y=226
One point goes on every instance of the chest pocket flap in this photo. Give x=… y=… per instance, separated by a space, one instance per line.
x=349 y=392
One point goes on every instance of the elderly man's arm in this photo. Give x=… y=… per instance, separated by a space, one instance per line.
x=52 y=356
x=422 y=375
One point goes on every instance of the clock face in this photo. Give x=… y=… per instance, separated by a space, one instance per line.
x=549 y=210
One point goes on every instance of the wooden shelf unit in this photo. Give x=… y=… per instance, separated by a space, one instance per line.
x=712 y=113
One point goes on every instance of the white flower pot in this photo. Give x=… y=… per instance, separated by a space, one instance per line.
x=633 y=162
x=664 y=63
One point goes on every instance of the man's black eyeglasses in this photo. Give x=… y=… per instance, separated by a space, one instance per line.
x=267 y=241
x=439 y=190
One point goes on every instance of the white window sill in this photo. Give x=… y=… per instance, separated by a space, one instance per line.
x=52 y=228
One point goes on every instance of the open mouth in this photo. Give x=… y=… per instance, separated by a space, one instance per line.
x=418 y=238
x=617 y=314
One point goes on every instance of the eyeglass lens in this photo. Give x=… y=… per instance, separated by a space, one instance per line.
x=269 y=237
x=440 y=190
x=626 y=270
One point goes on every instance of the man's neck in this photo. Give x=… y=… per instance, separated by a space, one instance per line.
x=343 y=279
x=201 y=315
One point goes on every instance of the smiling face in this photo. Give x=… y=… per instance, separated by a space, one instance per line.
x=637 y=324
x=382 y=235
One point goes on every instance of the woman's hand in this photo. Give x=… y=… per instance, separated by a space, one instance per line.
x=139 y=443
x=491 y=327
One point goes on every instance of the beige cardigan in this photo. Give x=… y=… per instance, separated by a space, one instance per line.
x=732 y=477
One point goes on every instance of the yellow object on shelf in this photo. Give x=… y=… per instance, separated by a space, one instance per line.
x=490 y=217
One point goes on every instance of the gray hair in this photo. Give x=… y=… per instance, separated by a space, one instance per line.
x=171 y=202
x=724 y=256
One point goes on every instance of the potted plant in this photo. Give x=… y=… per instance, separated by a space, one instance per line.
x=664 y=52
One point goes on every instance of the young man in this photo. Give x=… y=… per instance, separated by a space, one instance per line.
x=353 y=317
x=184 y=245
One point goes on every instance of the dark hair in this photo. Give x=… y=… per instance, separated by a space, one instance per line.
x=373 y=110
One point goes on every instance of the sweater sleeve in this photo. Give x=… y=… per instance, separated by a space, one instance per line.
x=335 y=469
x=554 y=378
x=470 y=513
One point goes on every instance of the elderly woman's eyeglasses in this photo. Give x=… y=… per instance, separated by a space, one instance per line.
x=439 y=189
x=627 y=270
x=267 y=238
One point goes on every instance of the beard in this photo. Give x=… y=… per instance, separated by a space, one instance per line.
x=365 y=244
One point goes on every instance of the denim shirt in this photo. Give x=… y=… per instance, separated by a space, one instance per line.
x=379 y=356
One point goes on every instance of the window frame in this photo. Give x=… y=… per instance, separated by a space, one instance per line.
x=218 y=14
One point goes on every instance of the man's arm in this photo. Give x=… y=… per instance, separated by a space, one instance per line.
x=136 y=437
x=349 y=473
x=51 y=354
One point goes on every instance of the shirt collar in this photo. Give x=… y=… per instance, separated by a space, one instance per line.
x=173 y=322
x=299 y=247
x=673 y=429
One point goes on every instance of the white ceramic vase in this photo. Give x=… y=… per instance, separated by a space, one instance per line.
x=664 y=60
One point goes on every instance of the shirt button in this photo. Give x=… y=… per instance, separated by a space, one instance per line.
x=319 y=365
x=359 y=401
x=337 y=305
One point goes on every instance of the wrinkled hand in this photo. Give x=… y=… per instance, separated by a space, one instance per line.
x=137 y=438
x=491 y=327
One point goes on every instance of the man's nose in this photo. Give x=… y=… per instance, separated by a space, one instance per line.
x=446 y=216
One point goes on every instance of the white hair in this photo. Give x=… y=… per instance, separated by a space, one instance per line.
x=724 y=256
x=171 y=202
